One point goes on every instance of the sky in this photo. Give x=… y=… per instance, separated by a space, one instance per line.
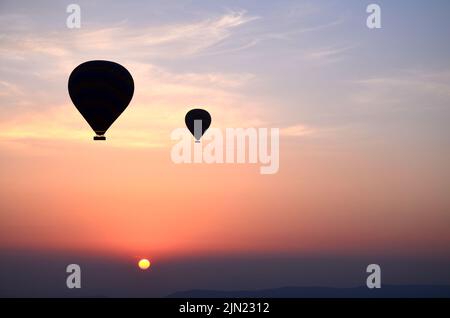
x=364 y=146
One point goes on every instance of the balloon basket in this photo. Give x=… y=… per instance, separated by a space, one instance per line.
x=99 y=138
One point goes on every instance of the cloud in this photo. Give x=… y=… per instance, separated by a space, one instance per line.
x=162 y=96
x=404 y=90
x=298 y=130
x=165 y=41
x=157 y=107
x=170 y=40
x=10 y=89
x=291 y=33
x=326 y=54
x=433 y=83
x=39 y=64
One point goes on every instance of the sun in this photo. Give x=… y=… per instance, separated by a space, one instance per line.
x=144 y=264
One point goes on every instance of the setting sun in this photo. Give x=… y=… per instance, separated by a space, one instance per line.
x=144 y=264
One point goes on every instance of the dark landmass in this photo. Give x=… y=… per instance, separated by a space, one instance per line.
x=388 y=291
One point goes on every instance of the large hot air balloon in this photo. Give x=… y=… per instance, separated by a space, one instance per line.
x=100 y=90
x=197 y=121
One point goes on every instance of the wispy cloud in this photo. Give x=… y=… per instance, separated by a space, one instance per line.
x=163 y=96
x=8 y=89
x=326 y=54
x=170 y=40
x=433 y=83
x=157 y=108
x=405 y=90
x=299 y=130
x=46 y=59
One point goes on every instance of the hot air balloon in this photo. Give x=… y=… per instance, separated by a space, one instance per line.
x=100 y=90
x=197 y=121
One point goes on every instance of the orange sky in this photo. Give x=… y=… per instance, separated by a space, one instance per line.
x=136 y=202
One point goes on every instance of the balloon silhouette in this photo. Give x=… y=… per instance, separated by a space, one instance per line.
x=100 y=90
x=197 y=121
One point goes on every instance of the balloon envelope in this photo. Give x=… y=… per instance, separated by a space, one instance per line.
x=100 y=90
x=193 y=117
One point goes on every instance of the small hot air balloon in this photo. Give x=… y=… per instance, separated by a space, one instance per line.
x=197 y=121
x=100 y=90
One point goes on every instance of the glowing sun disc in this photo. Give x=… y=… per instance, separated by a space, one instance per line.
x=144 y=264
